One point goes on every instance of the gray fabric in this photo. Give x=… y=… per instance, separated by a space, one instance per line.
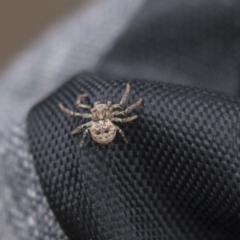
x=72 y=46
x=25 y=213
x=76 y=44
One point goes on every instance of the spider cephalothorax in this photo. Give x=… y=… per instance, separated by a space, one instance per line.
x=101 y=127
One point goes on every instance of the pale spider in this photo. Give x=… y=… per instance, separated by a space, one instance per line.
x=101 y=126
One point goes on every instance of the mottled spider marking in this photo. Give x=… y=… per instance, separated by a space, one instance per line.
x=101 y=126
x=103 y=131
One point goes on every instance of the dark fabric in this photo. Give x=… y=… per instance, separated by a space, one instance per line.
x=194 y=43
x=178 y=178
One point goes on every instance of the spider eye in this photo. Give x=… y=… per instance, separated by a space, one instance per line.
x=98 y=133
x=106 y=131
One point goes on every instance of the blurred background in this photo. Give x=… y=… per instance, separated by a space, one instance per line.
x=21 y=21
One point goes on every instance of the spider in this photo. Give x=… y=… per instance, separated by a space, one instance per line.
x=101 y=126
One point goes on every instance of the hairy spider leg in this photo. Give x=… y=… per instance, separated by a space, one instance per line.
x=74 y=114
x=79 y=128
x=129 y=109
x=79 y=104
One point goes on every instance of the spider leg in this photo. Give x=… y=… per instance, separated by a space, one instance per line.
x=122 y=133
x=96 y=103
x=123 y=100
x=79 y=128
x=129 y=109
x=123 y=120
x=84 y=137
x=79 y=104
x=74 y=114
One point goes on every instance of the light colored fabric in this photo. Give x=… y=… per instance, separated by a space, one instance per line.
x=73 y=45
x=24 y=210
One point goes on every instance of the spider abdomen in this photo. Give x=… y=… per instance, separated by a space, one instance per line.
x=103 y=131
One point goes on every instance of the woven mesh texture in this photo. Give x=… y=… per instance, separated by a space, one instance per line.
x=24 y=211
x=178 y=178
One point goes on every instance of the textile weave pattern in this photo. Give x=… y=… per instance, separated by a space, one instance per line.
x=178 y=178
x=25 y=209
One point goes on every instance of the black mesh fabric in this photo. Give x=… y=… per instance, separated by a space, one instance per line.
x=192 y=42
x=178 y=178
